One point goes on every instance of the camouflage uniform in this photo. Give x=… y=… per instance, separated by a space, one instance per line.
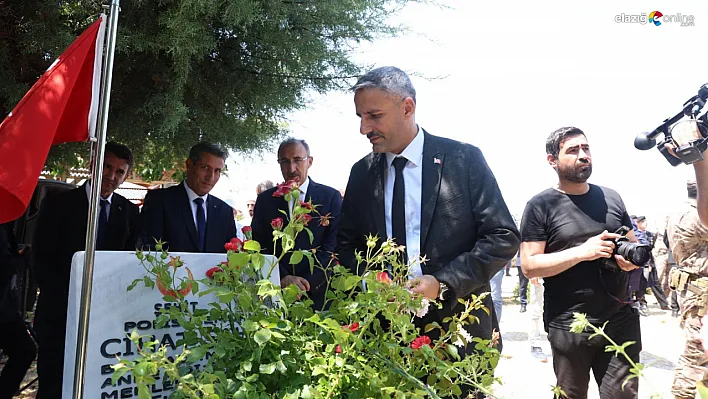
x=688 y=240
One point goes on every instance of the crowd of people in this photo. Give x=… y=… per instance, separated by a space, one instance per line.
x=565 y=244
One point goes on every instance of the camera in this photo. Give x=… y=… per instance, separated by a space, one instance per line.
x=687 y=153
x=638 y=254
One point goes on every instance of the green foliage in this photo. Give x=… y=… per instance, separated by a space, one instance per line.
x=225 y=71
x=581 y=325
x=263 y=341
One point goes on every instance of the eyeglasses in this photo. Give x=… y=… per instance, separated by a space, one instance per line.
x=296 y=161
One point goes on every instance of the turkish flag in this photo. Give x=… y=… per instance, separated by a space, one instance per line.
x=61 y=107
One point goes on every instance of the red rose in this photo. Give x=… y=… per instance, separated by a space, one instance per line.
x=306 y=205
x=277 y=224
x=352 y=327
x=383 y=277
x=285 y=188
x=215 y=269
x=247 y=231
x=306 y=219
x=234 y=245
x=420 y=341
x=338 y=349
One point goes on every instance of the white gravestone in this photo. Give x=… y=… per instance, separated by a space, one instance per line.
x=115 y=312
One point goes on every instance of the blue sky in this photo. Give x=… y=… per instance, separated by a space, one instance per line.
x=502 y=75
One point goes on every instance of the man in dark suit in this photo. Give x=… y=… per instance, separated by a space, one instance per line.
x=186 y=216
x=436 y=196
x=61 y=231
x=295 y=161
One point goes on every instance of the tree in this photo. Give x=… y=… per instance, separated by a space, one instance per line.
x=225 y=71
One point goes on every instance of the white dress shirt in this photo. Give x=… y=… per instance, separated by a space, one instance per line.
x=303 y=193
x=109 y=199
x=193 y=206
x=413 y=179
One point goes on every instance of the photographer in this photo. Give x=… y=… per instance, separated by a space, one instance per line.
x=15 y=341
x=567 y=241
x=688 y=239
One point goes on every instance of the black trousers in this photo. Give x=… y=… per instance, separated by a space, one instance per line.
x=575 y=356
x=19 y=347
x=50 y=359
x=523 y=287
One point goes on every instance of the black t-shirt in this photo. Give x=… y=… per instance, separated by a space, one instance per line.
x=566 y=221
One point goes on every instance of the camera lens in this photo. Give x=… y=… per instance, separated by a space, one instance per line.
x=639 y=254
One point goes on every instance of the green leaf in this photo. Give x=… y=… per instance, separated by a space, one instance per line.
x=239 y=259
x=133 y=284
x=119 y=372
x=219 y=351
x=226 y=296
x=162 y=320
x=249 y=325
x=144 y=392
x=196 y=354
x=262 y=336
x=252 y=245
x=452 y=350
x=318 y=370
x=350 y=282
x=267 y=368
x=296 y=257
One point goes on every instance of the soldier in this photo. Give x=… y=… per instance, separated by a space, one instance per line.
x=688 y=239
x=665 y=261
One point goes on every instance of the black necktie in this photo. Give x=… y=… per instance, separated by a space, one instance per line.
x=201 y=223
x=102 y=223
x=398 y=208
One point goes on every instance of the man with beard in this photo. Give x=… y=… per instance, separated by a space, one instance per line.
x=435 y=196
x=567 y=240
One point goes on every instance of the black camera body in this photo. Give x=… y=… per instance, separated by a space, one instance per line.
x=638 y=254
x=687 y=153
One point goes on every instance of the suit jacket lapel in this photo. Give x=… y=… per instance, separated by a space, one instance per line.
x=433 y=161
x=185 y=208
x=115 y=218
x=376 y=181
x=212 y=214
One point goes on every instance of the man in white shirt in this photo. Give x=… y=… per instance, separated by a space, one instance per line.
x=436 y=196
x=186 y=216
x=295 y=161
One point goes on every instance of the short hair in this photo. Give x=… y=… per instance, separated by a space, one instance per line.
x=691 y=189
x=556 y=139
x=264 y=185
x=390 y=79
x=205 y=147
x=120 y=151
x=291 y=140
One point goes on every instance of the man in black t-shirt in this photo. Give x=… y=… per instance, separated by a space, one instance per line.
x=567 y=234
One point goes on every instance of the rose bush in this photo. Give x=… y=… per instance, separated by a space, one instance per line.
x=263 y=341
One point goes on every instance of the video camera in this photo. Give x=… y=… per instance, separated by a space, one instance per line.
x=689 y=152
x=638 y=254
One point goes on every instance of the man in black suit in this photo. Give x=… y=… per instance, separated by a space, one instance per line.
x=61 y=231
x=436 y=196
x=186 y=216
x=295 y=161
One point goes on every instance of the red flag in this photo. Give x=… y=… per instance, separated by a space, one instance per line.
x=61 y=107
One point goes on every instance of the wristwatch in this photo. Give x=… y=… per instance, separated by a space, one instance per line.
x=443 y=291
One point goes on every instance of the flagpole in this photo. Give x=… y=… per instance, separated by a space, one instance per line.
x=92 y=226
